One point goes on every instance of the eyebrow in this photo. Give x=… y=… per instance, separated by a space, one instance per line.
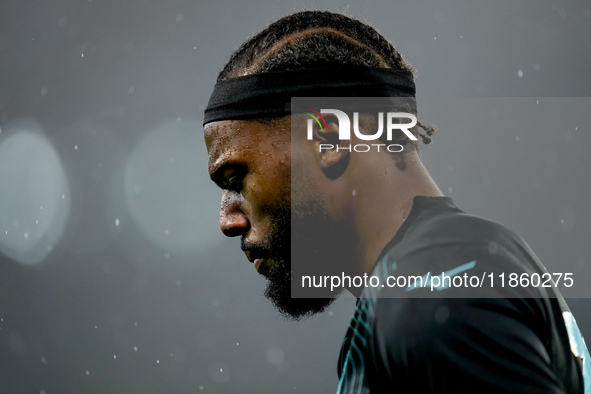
x=218 y=171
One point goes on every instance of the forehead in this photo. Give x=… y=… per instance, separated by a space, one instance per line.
x=232 y=138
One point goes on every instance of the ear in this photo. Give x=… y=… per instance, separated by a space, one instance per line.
x=329 y=149
x=332 y=154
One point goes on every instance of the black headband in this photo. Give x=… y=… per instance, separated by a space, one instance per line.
x=268 y=95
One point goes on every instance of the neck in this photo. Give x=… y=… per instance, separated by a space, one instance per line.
x=382 y=202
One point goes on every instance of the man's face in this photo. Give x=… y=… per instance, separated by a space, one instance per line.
x=251 y=162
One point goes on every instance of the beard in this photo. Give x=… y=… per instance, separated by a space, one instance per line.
x=303 y=241
x=278 y=290
x=279 y=273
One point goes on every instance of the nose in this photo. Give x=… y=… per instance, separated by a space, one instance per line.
x=233 y=221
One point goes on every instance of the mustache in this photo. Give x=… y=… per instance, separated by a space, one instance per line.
x=255 y=247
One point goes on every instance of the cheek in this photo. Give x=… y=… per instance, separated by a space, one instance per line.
x=276 y=197
x=268 y=192
x=285 y=178
x=277 y=194
x=302 y=179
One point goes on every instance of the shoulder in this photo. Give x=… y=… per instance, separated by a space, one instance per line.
x=458 y=337
x=444 y=238
x=444 y=226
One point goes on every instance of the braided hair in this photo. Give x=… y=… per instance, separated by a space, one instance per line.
x=317 y=39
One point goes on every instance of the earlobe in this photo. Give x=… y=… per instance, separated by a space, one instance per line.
x=333 y=153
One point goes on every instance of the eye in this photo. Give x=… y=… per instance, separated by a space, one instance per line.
x=234 y=183
x=233 y=180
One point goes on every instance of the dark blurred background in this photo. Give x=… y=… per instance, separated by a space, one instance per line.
x=114 y=277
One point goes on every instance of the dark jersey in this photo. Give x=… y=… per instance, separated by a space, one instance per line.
x=454 y=339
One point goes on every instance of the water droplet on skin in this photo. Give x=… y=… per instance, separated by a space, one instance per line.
x=117 y=222
x=520 y=73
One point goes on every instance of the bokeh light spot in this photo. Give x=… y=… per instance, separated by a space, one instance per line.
x=164 y=180
x=32 y=209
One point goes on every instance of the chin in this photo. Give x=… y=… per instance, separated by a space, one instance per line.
x=263 y=266
x=296 y=309
x=278 y=291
